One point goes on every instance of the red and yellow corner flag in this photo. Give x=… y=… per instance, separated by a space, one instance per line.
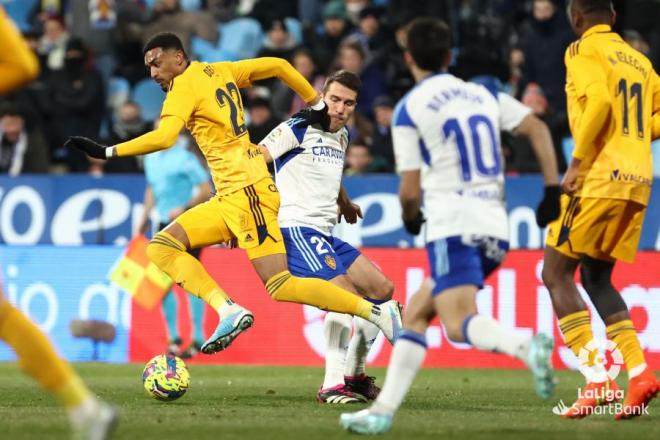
x=136 y=274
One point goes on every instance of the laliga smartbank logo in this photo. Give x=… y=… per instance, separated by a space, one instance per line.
x=600 y=362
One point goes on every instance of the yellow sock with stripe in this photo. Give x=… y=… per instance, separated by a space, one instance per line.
x=38 y=359
x=576 y=329
x=319 y=293
x=623 y=333
x=170 y=255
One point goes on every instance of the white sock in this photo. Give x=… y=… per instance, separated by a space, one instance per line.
x=337 y=331
x=80 y=414
x=407 y=357
x=486 y=334
x=363 y=338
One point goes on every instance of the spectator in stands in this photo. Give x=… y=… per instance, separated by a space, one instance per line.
x=53 y=42
x=397 y=75
x=21 y=151
x=168 y=17
x=279 y=42
x=358 y=158
x=352 y=58
x=94 y=22
x=335 y=28
x=375 y=40
x=381 y=147
x=262 y=119
x=285 y=101
x=74 y=102
x=353 y=9
x=128 y=125
x=544 y=41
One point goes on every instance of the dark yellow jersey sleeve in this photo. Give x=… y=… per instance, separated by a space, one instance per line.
x=590 y=87
x=655 y=123
x=181 y=99
x=247 y=71
x=18 y=64
x=163 y=137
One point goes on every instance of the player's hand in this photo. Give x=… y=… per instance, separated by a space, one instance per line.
x=548 y=209
x=569 y=182
x=414 y=225
x=87 y=146
x=308 y=116
x=350 y=211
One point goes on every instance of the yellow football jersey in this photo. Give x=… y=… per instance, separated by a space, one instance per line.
x=207 y=98
x=619 y=166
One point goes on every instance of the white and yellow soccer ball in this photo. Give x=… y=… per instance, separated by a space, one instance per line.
x=166 y=377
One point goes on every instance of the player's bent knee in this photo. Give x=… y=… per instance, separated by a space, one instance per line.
x=454 y=331
x=161 y=249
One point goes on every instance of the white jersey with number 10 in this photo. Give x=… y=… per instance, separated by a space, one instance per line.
x=450 y=130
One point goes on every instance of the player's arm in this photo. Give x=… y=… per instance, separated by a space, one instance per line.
x=655 y=113
x=279 y=142
x=408 y=158
x=520 y=121
x=18 y=64
x=247 y=71
x=159 y=139
x=347 y=209
x=591 y=85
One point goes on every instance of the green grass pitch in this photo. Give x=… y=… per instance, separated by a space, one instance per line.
x=269 y=403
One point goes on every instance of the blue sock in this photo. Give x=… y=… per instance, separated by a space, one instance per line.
x=170 y=313
x=197 y=318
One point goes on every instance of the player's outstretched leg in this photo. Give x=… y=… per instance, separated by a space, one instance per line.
x=282 y=286
x=643 y=386
x=406 y=360
x=170 y=255
x=89 y=417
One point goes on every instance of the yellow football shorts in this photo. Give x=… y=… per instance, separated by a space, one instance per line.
x=248 y=215
x=605 y=229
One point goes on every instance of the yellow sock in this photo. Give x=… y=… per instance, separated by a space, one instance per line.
x=316 y=292
x=625 y=336
x=38 y=359
x=170 y=255
x=576 y=329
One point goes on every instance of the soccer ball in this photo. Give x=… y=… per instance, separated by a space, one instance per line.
x=166 y=377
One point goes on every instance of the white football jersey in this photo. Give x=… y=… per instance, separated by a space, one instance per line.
x=309 y=164
x=450 y=130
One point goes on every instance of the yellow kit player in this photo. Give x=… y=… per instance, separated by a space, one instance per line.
x=205 y=99
x=90 y=418
x=613 y=98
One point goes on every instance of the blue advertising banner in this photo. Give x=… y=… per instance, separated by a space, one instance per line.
x=75 y=210
x=54 y=284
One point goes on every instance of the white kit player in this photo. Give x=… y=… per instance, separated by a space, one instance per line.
x=446 y=143
x=309 y=164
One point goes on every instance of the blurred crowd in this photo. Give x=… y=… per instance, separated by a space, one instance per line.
x=93 y=81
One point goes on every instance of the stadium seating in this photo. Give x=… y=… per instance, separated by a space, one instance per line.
x=148 y=95
x=119 y=91
x=19 y=11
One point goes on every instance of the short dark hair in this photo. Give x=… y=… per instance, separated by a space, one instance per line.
x=427 y=41
x=589 y=6
x=164 y=40
x=345 y=78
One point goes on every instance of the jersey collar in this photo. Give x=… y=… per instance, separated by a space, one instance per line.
x=597 y=29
